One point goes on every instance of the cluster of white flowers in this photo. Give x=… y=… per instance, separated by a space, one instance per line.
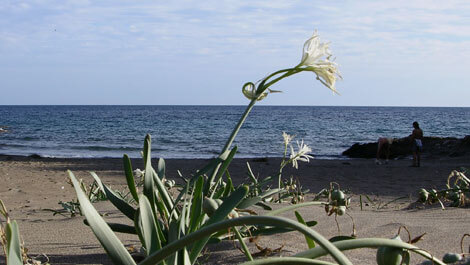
x=287 y=138
x=139 y=173
x=302 y=153
x=316 y=58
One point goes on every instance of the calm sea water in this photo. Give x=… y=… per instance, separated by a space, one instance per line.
x=201 y=131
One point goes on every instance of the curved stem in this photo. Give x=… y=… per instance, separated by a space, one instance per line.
x=289 y=73
x=288 y=261
x=367 y=243
x=262 y=87
x=171 y=248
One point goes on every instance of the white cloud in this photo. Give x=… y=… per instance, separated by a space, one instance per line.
x=372 y=35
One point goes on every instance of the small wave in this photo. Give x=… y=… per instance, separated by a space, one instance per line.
x=28 y=138
x=105 y=148
x=4 y=145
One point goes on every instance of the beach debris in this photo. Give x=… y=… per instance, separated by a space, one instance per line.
x=264 y=251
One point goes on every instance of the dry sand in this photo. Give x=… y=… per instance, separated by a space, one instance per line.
x=29 y=186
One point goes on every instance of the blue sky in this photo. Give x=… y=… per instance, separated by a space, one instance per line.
x=391 y=53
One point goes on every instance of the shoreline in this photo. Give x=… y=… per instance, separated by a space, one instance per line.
x=33 y=185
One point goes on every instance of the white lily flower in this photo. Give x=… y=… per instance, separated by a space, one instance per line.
x=301 y=155
x=138 y=173
x=316 y=58
x=287 y=138
x=249 y=90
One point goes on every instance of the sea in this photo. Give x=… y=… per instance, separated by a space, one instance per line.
x=201 y=131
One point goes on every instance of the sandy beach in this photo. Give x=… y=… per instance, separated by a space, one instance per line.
x=31 y=185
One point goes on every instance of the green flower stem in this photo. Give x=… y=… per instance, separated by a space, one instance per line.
x=171 y=248
x=238 y=126
x=242 y=243
x=290 y=72
x=367 y=243
x=234 y=134
x=287 y=261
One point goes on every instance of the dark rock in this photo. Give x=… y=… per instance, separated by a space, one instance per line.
x=35 y=156
x=402 y=147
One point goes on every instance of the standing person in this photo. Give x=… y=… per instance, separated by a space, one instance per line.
x=416 y=138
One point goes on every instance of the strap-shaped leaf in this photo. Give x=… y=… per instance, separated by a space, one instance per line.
x=300 y=219
x=110 y=242
x=229 y=185
x=149 y=188
x=146 y=151
x=288 y=260
x=219 y=171
x=247 y=202
x=269 y=193
x=130 y=178
x=266 y=231
x=149 y=226
x=208 y=230
x=14 y=256
x=119 y=203
x=176 y=231
x=164 y=195
x=196 y=206
x=120 y=228
x=161 y=168
x=220 y=214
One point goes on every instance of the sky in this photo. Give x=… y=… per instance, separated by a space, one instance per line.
x=390 y=53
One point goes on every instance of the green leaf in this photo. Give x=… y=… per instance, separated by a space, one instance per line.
x=196 y=215
x=247 y=202
x=229 y=185
x=287 y=260
x=269 y=193
x=276 y=230
x=208 y=230
x=310 y=242
x=165 y=196
x=13 y=246
x=122 y=205
x=130 y=178
x=250 y=174
x=219 y=171
x=264 y=206
x=138 y=225
x=120 y=228
x=111 y=243
x=146 y=151
x=220 y=214
x=149 y=226
x=219 y=193
x=161 y=168
x=149 y=188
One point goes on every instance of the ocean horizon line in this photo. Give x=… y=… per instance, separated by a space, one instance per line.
x=230 y=105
